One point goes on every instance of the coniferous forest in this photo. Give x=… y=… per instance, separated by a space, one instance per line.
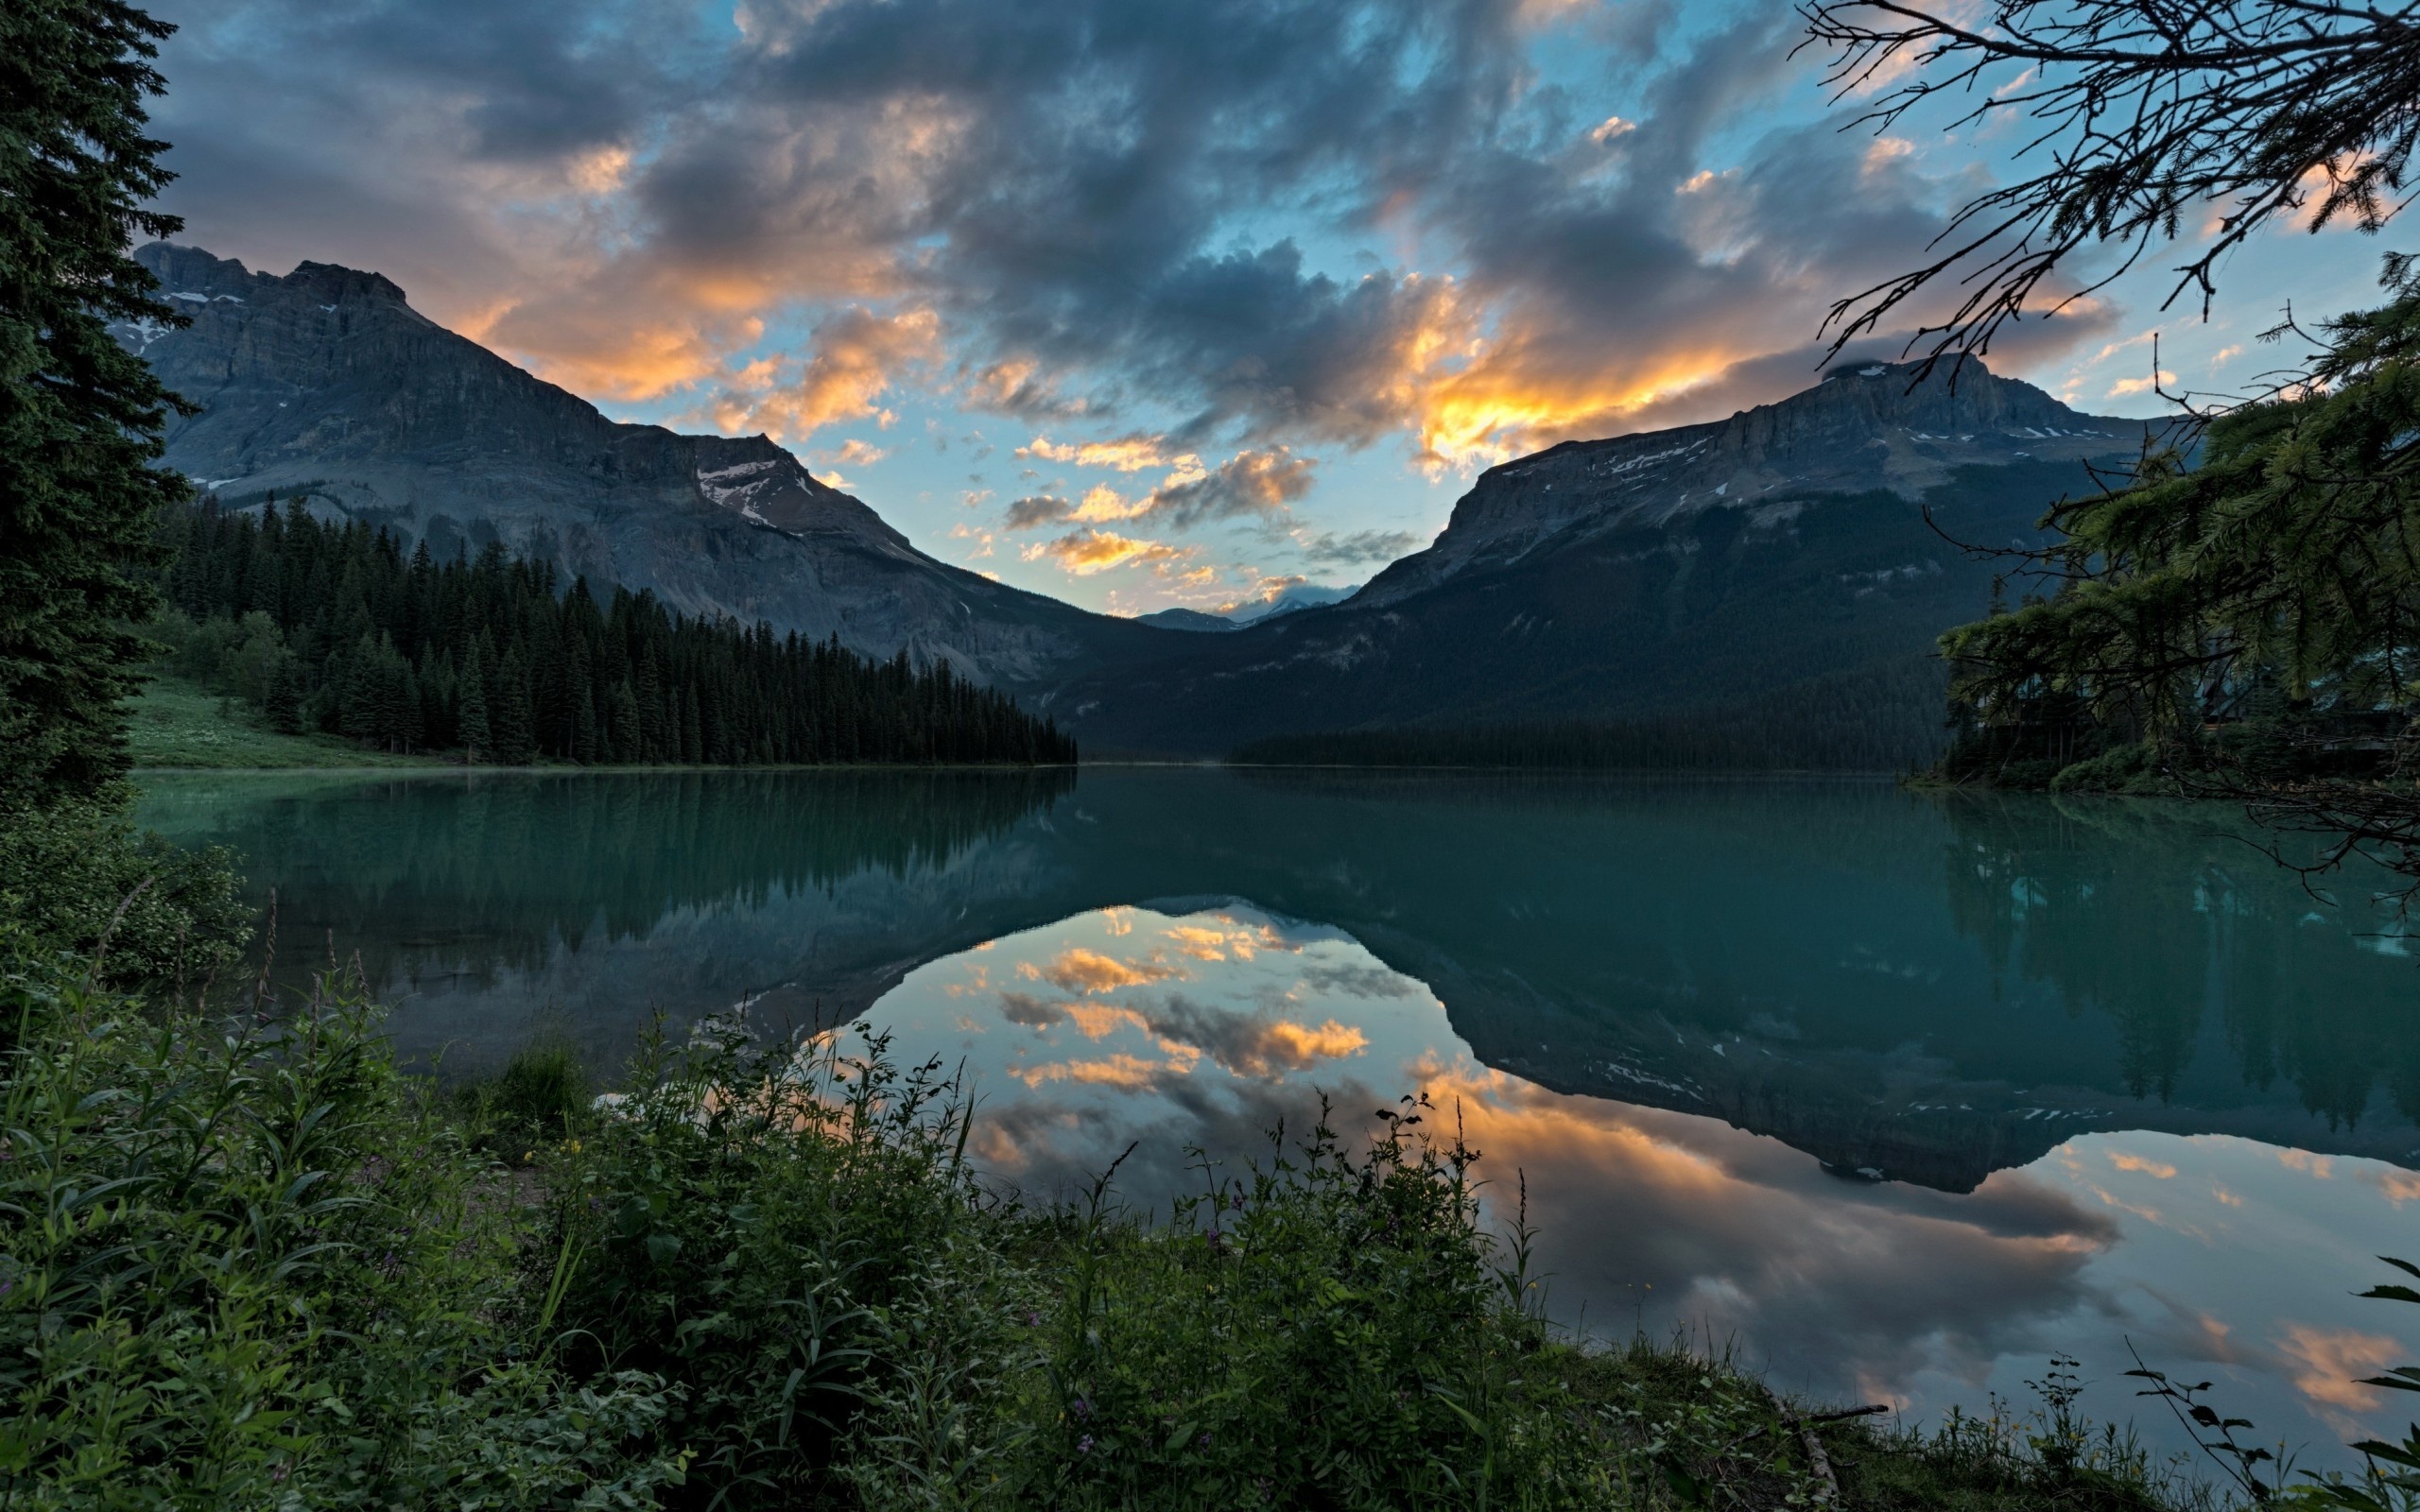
x=332 y=626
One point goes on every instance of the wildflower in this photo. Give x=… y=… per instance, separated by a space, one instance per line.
x=1204 y=1442
x=1033 y=1319
x=1084 y=1444
x=1083 y=1409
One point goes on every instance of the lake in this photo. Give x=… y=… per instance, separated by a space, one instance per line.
x=1895 y=1096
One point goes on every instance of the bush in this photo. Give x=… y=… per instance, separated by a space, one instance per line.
x=78 y=876
x=794 y=1235
x=538 y=1099
x=760 y=1221
x=245 y=1264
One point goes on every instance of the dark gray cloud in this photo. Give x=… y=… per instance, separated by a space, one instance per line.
x=1036 y=511
x=1259 y=485
x=1329 y=549
x=1088 y=207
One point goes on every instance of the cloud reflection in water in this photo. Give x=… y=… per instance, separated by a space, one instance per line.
x=1208 y=1029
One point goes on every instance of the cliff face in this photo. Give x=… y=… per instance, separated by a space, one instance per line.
x=1862 y=429
x=326 y=384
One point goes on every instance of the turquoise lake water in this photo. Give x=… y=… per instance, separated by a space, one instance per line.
x=1895 y=1096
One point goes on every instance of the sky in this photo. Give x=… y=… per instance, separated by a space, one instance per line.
x=1137 y=304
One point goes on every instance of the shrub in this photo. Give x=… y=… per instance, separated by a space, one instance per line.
x=245 y=1264
x=78 y=876
x=758 y=1220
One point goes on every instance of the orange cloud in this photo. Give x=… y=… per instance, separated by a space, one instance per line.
x=1078 y=970
x=1301 y=1044
x=858 y=355
x=1125 y=1073
x=1099 y=1021
x=1212 y=943
x=2135 y=1162
x=1089 y=551
x=2332 y=1359
x=1127 y=454
x=2399 y=1186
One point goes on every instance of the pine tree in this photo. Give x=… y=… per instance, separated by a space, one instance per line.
x=80 y=418
x=284 y=706
x=509 y=712
x=471 y=716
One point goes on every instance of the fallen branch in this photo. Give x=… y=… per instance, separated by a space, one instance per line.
x=1873 y=1410
x=1803 y=1425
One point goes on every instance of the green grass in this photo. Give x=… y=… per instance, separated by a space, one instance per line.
x=174 y=723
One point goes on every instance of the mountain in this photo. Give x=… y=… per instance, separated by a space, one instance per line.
x=1252 y=612
x=327 y=383
x=1298 y=597
x=1777 y=568
x=1186 y=619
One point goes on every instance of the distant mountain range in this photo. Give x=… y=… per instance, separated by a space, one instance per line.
x=327 y=385
x=1776 y=566
x=1781 y=558
x=1252 y=612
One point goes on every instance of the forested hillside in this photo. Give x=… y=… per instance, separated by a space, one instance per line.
x=1884 y=718
x=331 y=626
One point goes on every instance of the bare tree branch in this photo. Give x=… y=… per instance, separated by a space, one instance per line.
x=2162 y=121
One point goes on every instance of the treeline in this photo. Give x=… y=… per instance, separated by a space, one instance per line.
x=1881 y=719
x=332 y=627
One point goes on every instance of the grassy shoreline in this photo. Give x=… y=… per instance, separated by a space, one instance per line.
x=763 y=1274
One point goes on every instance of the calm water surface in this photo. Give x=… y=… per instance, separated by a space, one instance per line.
x=1895 y=1094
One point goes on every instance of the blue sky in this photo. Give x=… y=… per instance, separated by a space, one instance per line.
x=1133 y=304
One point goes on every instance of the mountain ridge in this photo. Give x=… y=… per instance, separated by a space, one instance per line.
x=1786 y=553
x=324 y=383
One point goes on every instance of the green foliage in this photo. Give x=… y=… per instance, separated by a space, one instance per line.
x=795 y=1235
x=2277 y=578
x=539 y=1098
x=245 y=1264
x=173 y=723
x=1326 y=1330
x=331 y=627
x=79 y=416
x=76 y=875
x=747 y=1216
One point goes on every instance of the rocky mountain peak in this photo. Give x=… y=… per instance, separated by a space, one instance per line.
x=325 y=385
x=1864 y=427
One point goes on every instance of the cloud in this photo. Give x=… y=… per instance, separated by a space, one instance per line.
x=1031 y=1011
x=2332 y=1362
x=1078 y=970
x=1329 y=549
x=1251 y=1044
x=1258 y=484
x=2140 y=386
x=858 y=354
x=855 y=453
x=1127 y=454
x=1036 y=511
x=1277 y=226
x=1089 y=551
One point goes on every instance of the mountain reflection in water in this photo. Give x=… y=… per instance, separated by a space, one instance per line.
x=2070 y=1073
